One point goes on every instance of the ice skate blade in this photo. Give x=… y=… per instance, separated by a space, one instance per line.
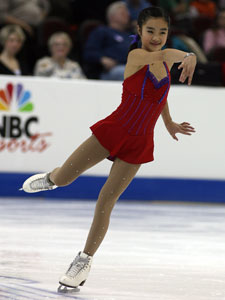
x=72 y=287
x=62 y=289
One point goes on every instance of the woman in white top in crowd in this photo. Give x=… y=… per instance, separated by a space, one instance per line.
x=59 y=65
x=12 y=39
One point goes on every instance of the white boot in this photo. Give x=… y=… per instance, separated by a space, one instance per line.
x=38 y=183
x=78 y=271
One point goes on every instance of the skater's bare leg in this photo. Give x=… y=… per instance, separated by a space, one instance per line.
x=121 y=174
x=88 y=154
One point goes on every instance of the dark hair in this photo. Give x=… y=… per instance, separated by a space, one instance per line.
x=144 y=16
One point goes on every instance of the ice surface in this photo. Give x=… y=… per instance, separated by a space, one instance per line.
x=152 y=251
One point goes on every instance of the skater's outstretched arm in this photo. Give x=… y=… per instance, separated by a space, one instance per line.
x=188 y=61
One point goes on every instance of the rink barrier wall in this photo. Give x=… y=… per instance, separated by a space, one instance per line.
x=42 y=121
x=140 y=189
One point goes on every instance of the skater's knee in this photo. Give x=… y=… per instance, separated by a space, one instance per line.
x=109 y=194
x=106 y=202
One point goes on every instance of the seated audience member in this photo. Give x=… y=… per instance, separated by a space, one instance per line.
x=174 y=7
x=135 y=6
x=214 y=38
x=26 y=13
x=179 y=12
x=107 y=46
x=203 y=8
x=59 y=65
x=12 y=39
x=186 y=43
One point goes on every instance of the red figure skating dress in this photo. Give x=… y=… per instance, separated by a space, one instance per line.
x=129 y=131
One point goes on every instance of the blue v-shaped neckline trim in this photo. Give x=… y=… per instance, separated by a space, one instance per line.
x=158 y=83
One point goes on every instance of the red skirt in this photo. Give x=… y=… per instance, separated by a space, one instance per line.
x=134 y=149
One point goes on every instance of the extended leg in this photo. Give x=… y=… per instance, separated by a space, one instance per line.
x=84 y=157
x=88 y=154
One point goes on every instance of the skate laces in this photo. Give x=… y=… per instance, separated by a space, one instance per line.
x=77 y=266
x=41 y=183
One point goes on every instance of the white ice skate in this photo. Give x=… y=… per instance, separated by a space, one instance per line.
x=38 y=183
x=78 y=271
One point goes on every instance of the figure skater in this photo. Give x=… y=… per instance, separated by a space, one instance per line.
x=125 y=136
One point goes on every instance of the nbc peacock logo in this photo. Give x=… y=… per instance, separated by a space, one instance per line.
x=15 y=95
x=19 y=128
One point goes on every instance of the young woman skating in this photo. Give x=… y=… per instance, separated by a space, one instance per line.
x=125 y=136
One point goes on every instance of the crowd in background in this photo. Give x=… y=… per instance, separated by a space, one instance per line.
x=87 y=39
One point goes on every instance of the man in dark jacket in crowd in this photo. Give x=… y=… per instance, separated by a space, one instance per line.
x=108 y=45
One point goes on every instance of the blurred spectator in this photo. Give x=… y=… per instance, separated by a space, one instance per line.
x=59 y=65
x=11 y=39
x=214 y=38
x=108 y=45
x=181 y=41
x=25 y=13
x=48 y=27
x=175 y=7
x=203 y=8
x=135 y=6
x=179 y=13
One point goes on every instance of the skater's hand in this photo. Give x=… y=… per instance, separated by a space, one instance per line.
x=184 y=128
x=188 y=66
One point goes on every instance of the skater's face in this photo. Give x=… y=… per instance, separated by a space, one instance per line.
x=154 y=33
